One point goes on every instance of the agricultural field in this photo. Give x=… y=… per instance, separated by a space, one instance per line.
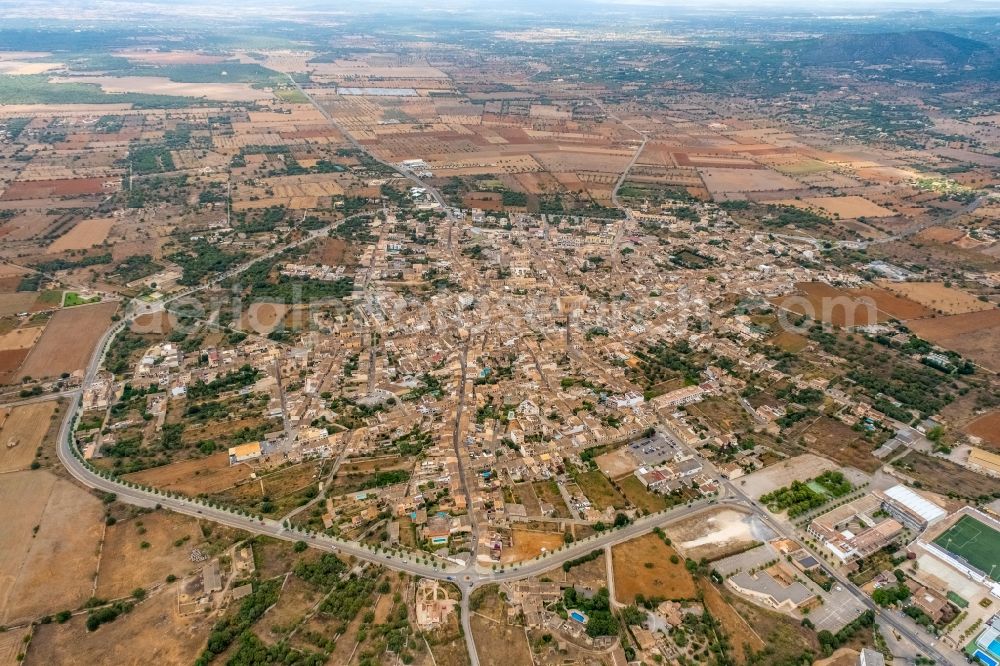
x=143 y=550
x=12 y=645
x=822 y=302
x=68 y=341
x=84 y=235
x=646 y=566
x=939 y=297
x=22 y=430
x=49 y=544
x=987 y=427
x=725 y=181
x=973 y=335
x=843 y=207
x=896 y=306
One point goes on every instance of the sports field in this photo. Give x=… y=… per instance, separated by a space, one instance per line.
x=974 y=541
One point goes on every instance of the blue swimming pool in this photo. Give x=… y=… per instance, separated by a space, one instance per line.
x=581 y=618
x=994 y=647
x=985 y=658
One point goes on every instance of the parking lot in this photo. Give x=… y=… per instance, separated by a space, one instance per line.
x=653 y=450
x=840 y=607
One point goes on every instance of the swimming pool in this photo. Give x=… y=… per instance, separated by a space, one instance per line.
x=985 y=658
x=994 y=646
x=581 y=618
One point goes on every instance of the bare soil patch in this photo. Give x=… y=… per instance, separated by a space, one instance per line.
x=43 y=189
x=945 y=477
x=529 y=543
x=938 y=297
x=84 y=235
x=12 y=644
x=898 y=307
x=22 y=430
x=126 y=564
x=20 y=301
x=643 y=566
x=975 y=335
x=52 y=568
x=192 y=477
x=823 y=302
x=68 y=340
x=714 y=534
x=740 y=633
x=20 y=338
x=987 y=427
x=153 y=633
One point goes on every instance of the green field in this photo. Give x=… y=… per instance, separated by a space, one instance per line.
x=974 y=541
x=599 y=491
x=72 y=298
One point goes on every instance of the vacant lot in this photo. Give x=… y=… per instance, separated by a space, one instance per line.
x=617 y=463
x=741 y=634
x=643 y=566
x=599 y=491
x=987 y=427
x=529 y=543
x=127 y=564
x=548 y=491
x=498 y=643
x=641 y=498
x=153 y=633
x=68 y=341
x=49 y=568
x=86 y=234
x=945 y=477
x=297 y=597
x=783 y=473
x=789 y=341
x=938 y=297
x=837 y=440
x=975 y=335
x=192 y=477
x=21 y=432
x=716 y=533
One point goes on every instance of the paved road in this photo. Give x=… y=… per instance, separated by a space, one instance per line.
x=898 y=621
